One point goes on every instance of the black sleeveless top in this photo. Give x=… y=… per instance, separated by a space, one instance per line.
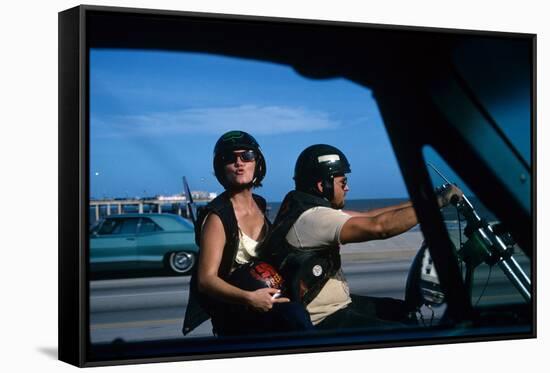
x=305 y=271
x=200 y=306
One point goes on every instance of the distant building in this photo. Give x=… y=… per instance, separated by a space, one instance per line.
x=195 y=194
x=171 y=198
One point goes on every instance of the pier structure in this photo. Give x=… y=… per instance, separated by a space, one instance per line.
x=155 y=204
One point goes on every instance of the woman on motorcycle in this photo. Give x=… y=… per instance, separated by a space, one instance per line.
x=232 y=227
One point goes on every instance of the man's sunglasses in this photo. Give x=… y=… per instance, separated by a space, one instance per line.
x=246 y=156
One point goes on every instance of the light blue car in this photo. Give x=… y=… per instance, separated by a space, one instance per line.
x=143 y=242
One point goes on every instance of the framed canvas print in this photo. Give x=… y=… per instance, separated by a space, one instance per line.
x=240 y=186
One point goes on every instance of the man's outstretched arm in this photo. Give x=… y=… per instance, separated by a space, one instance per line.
x=360 y=228
x=384 y=225
x=378 y=211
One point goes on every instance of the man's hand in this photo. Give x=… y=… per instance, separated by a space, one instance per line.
x=445 y=195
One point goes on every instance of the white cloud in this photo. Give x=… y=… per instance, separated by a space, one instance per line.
x=262 y=120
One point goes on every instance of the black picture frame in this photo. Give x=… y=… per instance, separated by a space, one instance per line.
x=316 y=49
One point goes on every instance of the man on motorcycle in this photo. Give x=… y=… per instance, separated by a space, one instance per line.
x=307 y=234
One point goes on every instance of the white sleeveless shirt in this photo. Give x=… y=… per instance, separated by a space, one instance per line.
x=246 y=250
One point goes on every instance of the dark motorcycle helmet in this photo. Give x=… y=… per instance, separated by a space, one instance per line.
x=238 y=140
x=316 y=163
x=256 y=275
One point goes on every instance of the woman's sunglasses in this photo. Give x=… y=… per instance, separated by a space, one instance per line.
x=246 y=156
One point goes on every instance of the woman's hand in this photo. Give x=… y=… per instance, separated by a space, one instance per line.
x=262 y=300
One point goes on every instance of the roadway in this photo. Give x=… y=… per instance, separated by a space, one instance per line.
x=152 y=308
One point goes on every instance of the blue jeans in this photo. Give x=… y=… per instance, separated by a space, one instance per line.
x=239 y=320
x=367 y=312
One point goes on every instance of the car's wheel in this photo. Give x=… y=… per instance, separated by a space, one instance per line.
x=181 y=262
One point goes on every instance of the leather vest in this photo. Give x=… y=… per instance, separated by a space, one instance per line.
x=200 y=306
x=304 y=270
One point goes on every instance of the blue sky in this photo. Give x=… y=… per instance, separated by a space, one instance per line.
x=155 y=117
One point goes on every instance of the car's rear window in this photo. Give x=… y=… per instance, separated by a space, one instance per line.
x=129 y=226
x=174 y=223
x=118 y=226
x=148 y=226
